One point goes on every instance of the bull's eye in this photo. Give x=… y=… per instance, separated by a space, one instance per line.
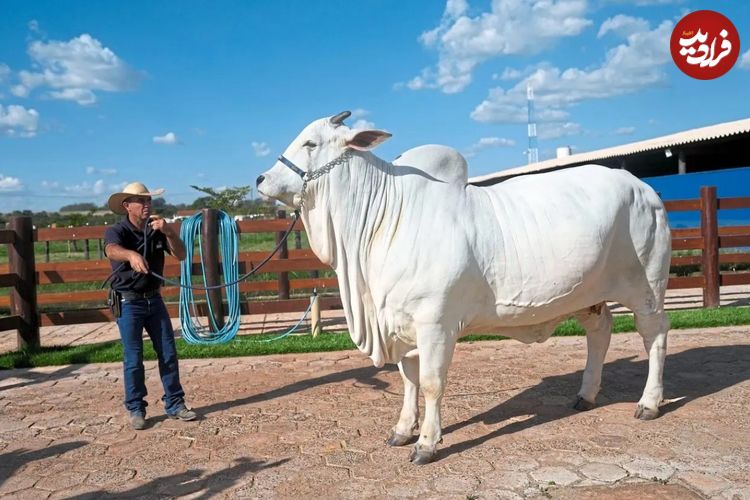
x=310 y=144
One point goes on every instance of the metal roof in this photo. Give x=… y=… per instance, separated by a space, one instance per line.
x=689 y=136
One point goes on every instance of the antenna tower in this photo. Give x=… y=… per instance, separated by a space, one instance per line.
x=533 y=151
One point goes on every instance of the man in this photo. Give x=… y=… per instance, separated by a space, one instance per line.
x=136 y=245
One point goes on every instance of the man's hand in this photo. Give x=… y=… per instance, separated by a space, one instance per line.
x=138 y=263
x=174 y=243
x=157 y=223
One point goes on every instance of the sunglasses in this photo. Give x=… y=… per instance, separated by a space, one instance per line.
x=138 y=199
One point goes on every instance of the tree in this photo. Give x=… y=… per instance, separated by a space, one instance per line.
x=79 y=207
x=229 y=200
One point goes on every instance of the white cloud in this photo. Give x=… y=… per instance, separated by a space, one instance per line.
x=646 y=3
x=17 y=121
x=260 y=149
x=512 y=27
x=625 y=130
x=363 y=124
x=86 y=188
x=745 y=60
x=101 y=171
x=508 y=74
x=358 y=115
x=547 y=131
x=623 y=25
x=627 y=68
x=50 y=184
x=10 y=184
x=169 y=138
x=488 y=143
x=73 y=70
x=84 y=97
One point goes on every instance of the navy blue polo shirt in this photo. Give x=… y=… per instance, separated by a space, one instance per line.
x=125 y=234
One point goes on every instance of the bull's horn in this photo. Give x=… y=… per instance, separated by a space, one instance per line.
x=339 y=118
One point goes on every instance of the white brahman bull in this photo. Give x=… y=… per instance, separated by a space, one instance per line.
x=423 y=258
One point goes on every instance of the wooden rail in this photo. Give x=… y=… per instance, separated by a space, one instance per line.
x=23 y=275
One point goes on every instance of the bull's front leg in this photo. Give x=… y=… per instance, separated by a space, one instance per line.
x=435 y=347
x=401 y=434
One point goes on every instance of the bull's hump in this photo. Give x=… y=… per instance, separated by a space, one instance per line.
x=442 y=163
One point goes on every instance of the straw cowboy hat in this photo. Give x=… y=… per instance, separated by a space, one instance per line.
x=132 y=189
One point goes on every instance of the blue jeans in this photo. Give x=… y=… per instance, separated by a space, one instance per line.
x=152 y=315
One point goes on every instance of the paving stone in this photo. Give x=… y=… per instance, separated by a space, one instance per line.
x=468 y=466
x=12 y=424
x=60 y=482
x=736 y=493
x=345 y=458
x=554 y=476
x=30 y=494
x=455 y=484
x=709 y=485
x=644 y=491
x=497 y=495
x=603 y=472
x=504 y=480
x=111 y=477
x=356 y=490
x=17 y=483
x=649 y=469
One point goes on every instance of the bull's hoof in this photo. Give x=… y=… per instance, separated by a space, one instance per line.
x=583 y=405
x=421 y=456
x=643 y=413
x=397 y=439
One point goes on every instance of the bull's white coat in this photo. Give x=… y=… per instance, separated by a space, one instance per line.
x=423 y=258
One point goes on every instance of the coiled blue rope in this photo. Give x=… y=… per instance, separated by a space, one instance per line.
x=192 y=331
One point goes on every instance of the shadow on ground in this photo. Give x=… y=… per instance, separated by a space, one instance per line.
x=364 y=376
x=191 y=482
x=689 y=375
x=16 y=459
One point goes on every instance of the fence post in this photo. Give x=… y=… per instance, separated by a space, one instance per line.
x=710 y=257
x=100 y=247
x=46 y=251
x=86 y=254
x=23 y=294
x=283 y=254
x=210 y=237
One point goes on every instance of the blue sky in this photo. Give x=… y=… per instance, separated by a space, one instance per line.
x=94 y=95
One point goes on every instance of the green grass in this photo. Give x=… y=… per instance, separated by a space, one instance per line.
x=338 y=341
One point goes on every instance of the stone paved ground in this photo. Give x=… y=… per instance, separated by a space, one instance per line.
x=314 y=425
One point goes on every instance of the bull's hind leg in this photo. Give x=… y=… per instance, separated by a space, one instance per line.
x=653 y=327
x=597 y=321
x=401 y=434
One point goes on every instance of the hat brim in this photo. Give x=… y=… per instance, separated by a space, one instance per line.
x=115 y=201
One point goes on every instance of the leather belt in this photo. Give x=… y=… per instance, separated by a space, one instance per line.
x=139 y=295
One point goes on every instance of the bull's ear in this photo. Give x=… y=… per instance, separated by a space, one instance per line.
x=365 y=140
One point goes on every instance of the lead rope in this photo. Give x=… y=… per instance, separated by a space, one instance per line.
x=192 y=330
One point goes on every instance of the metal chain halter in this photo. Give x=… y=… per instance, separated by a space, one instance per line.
x=315 y=174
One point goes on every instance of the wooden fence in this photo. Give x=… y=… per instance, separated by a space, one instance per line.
x=709 y=238
x=28 y=310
